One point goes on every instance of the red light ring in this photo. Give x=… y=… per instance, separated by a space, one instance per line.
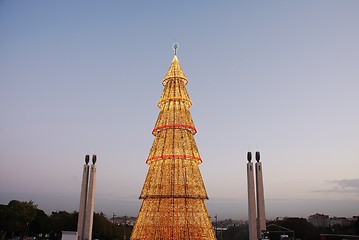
x=194 y=130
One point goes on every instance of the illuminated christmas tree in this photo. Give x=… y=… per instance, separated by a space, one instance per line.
x=173 y=193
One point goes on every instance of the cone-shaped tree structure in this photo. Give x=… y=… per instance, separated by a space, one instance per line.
x=173 y=193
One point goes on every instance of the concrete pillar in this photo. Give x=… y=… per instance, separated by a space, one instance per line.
x=251 y=200
x=83 y=199
x=90 y=202
x=261 y=220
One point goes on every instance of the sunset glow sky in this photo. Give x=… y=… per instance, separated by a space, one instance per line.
x=84 y=77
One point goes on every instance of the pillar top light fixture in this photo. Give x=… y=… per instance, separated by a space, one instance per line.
x=249 y=156
x=258 y=156
x=87 y=159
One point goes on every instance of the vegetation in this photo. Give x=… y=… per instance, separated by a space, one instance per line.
x=296 y=228
x=234 y=233
x=300 y=226
x=25 y=219
x=306 y=231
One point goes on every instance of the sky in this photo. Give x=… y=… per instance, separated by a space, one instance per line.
x=84 y=77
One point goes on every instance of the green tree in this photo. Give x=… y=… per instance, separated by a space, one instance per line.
x=63 y=221
x=302 y=228
x=20 y=218
x=235 y=232
x=41 y=223
x=102 y=227
x=17 y=216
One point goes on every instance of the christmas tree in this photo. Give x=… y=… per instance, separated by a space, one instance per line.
x=173 y=193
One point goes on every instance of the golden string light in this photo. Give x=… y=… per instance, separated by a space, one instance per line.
x=173 y=194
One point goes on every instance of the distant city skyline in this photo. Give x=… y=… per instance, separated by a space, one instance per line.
x=84 y=78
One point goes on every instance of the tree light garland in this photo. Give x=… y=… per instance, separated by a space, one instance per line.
x=173 y=194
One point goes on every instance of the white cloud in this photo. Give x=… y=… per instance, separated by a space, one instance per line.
x=349 y=186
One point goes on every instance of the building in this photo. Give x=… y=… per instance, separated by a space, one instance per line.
x=319 y=220
x=173 y=194
x=342 y=221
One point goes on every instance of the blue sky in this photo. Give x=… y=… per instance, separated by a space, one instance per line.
x=84 y=77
